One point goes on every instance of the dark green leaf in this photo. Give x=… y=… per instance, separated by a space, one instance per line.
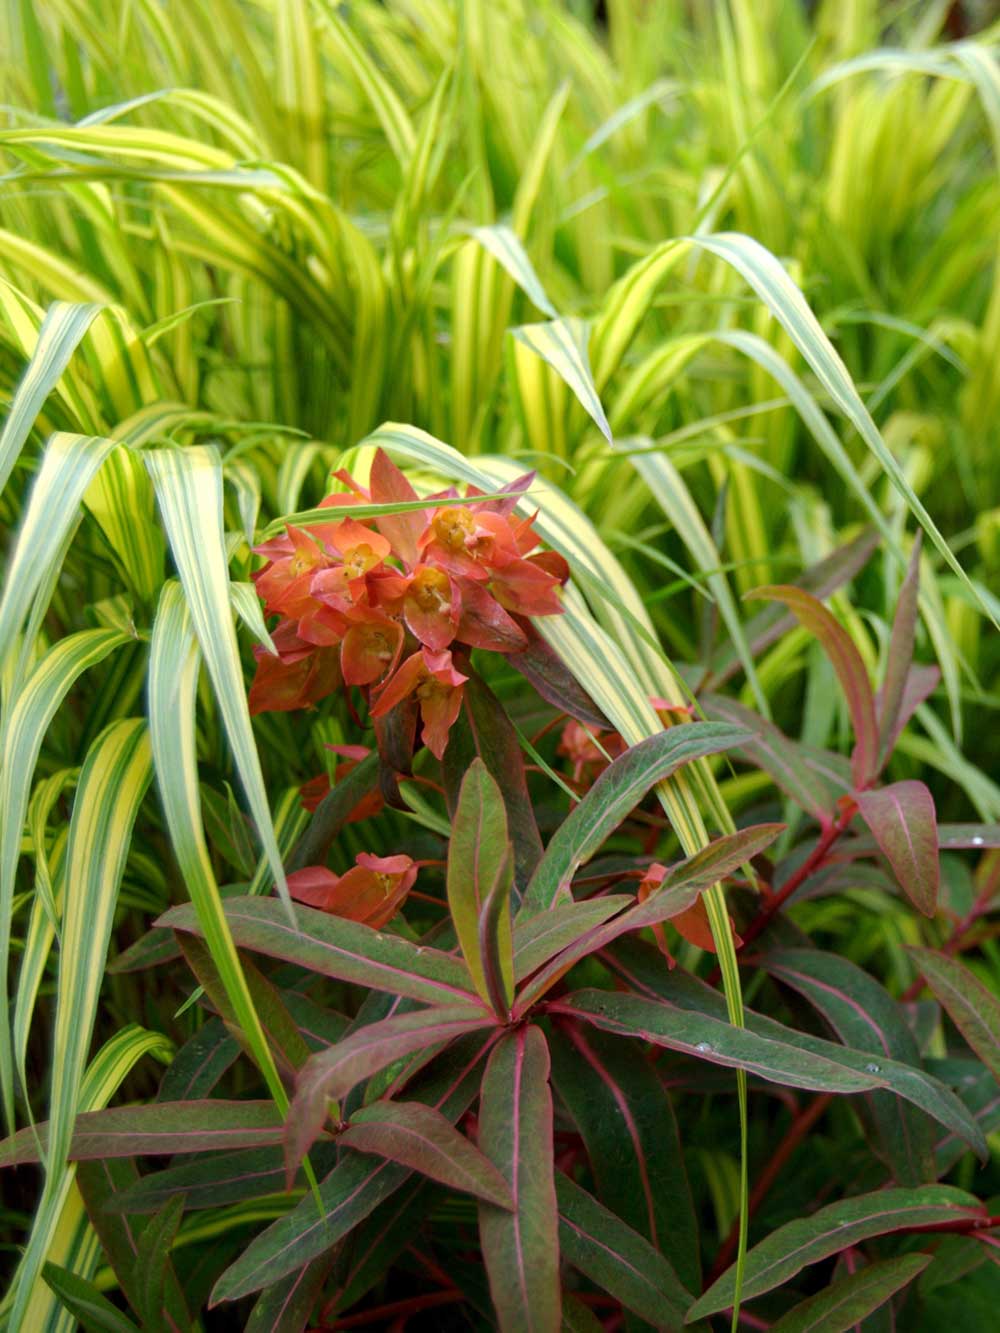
x=845 y=1303
x=286 y=1306
x=152 y=1264
x=93 y=1312
x=615 y=794
x=847 y=1222
x=973 y=1009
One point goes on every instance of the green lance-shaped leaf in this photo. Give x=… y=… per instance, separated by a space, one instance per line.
x=866 y=1017
x=540 y=937
x=618 y=1259
x=680 y=888
x=152 y=1264
x=480 y=864
x=336 y=947
x=615 y=794
x=521 y=1248
x=718 y=1042
x=973 y=1009
x=624 y=1114
x=101 y=1183
x=58 y=338
x=353 y=1189
x=331 y=1074
x=903 y=822
x=420 y=1137
x=834 y=1228
x=208 y=1182
x=843 y=1304
x=287 y=1305
x=158 y=1127
x=84 y=1302
x=850 y=669
x=189 y=491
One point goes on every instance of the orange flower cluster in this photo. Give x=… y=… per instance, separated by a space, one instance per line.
x=383 y=603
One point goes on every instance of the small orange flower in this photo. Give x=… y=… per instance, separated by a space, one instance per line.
x=437 y=684
x=372 y=892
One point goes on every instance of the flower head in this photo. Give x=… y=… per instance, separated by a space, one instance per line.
x=372 y=891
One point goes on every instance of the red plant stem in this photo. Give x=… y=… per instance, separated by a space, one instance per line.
x=381 y=1314
x=797 y=1131
x=775 y=901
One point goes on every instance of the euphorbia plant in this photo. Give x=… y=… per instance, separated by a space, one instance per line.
x=520 y=1047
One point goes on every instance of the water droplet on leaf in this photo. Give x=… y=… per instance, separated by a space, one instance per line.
x=704 y=1047
x=873 y=1069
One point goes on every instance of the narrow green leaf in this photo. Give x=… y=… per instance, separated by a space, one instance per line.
x=615 y=794
x=94 y=1312
x=834 y=1228
x=900 y=655
x=843 y=1304
x=479 y=858
x=973 y=1009
x=562 y=344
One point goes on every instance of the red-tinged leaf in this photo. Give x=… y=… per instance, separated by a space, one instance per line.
x=778 y=755
x=159 y=1127
x=714 y=1040
x=153 y=949
x=973 y=1009
x=903 y=822
x=495 y=942
x=625 y=1117
x=352 y=1190
x=222 y=1179
x=641 y=967
x=921 y=682
x=521 y=1248
x=543 y=668
x=843 y=1304
x=287 y=1305
x=101 y=1184
x=375 y=1244
x=951 y=838
x=680 y=889
x=615 y=794
x=484 y=729
x=422 y=1138
x=832 y=1229
x=618 y=1259
x=865 y=1016
x=900 y=656
x=479 y=862
x=772 y=624
x=331 y=1074
x=336 y=947
x=538 y=938
x=847 y=663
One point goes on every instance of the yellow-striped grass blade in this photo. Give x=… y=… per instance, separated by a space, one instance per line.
x=173 y=685
x=72 y=1243
x=68 y=466
x=113 y=782
x=58 y=338
x=27 y=719
x=189 y=490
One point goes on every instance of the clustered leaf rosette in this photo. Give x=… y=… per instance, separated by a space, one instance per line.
x=386 y=604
